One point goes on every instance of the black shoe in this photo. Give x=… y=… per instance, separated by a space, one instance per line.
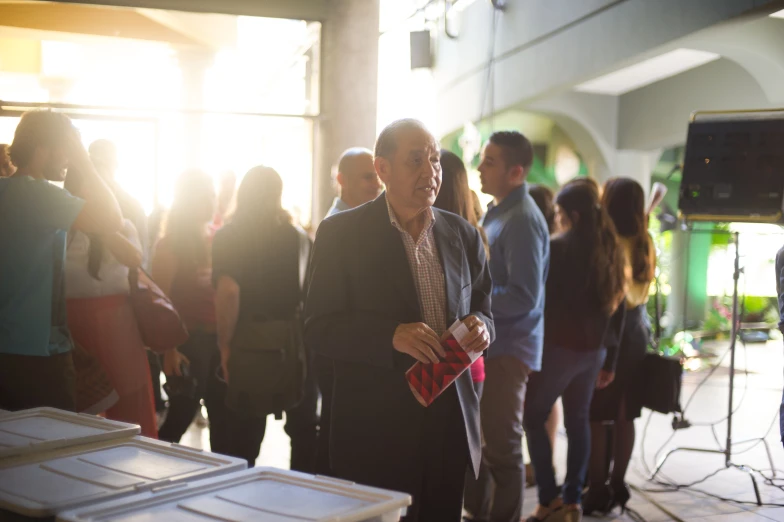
x=620 y=496
x=599 y=499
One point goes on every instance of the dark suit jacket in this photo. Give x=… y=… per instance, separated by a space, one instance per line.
x=361 y=289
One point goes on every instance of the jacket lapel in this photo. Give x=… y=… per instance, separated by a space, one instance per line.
x=451 y=253
x=392 y=255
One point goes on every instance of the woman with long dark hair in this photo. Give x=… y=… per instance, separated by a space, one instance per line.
x=455 y=196
x=182 y=268
x=585 y=285
x=259 y=261
x=620 y=402
x=101 y=319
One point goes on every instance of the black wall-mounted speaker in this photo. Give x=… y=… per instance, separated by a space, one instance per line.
x=734 y=167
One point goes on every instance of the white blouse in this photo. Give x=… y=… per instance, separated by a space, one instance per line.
x=113 y=275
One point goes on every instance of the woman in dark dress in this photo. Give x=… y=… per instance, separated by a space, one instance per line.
x=614 y=408
x=585 y=285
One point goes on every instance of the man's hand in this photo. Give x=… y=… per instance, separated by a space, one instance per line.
x=605 y=379
x=172 y=360
x=478 y=338
x=419 y=341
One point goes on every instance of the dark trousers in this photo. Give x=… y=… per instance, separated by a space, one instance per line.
x=571 y=375
x=497 y=494
x=325 y=374
x=28 y=381
x=238 y=435
x=444 y=459
x=201 y=349
x=154 y=361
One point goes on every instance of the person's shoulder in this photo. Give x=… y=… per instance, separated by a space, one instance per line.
x=780 y=258
x=45 y=197
x=558 y=242
x=227 y=236
x=347 y=220
x=531 y=211
x=28 y=185
x=456 y=222
x=527 y=217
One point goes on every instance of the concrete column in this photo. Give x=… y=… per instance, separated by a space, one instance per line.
x=349 y=90
x=688 y=298
x=194 y=64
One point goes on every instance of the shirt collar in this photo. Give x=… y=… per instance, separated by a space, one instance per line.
x=513 y=198
x=430 y=219
x=340 y=205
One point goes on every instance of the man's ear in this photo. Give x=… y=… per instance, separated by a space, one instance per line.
x=383 y=169
x=340 y=179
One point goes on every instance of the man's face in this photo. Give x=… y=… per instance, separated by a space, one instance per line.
x=413 y=177
x=358 y=181
x=55 y=161
x=496 y=178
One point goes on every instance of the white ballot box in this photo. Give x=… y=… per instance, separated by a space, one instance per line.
x=259 y=495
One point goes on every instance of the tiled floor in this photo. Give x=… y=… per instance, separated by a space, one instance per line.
x=757 y=403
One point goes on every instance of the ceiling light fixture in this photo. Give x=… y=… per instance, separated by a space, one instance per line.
x=778 y=14
x=647 y=72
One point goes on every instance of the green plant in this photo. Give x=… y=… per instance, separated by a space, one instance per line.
x=755 y=305
x=772 y=316
x=721 y=236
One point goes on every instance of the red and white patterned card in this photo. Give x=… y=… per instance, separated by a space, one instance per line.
x=428 y=381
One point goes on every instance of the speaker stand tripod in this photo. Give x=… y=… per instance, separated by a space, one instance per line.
x=727 y=450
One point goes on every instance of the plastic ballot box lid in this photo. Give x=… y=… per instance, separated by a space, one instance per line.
x=259 y=495
x=44 y=484
x=43 y=429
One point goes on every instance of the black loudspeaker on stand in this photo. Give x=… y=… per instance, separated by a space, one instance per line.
x=733 y=172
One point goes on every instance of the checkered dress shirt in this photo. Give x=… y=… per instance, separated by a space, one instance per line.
x=427 y=270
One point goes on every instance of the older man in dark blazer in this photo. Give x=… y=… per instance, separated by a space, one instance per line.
x=386 y=281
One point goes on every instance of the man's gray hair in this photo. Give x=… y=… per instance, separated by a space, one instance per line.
x=386 y=144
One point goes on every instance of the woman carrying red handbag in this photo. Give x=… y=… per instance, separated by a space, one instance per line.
x=101 y=319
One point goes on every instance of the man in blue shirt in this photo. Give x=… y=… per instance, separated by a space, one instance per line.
x=35 y=346
x=519 y=257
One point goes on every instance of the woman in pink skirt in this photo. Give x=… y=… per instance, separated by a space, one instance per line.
x=101 y=319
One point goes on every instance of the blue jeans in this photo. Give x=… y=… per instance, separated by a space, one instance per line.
x=569 y=374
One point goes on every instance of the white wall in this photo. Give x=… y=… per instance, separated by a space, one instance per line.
x=543 y=47
x=658 y=115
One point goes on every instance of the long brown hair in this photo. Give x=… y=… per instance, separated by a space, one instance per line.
x=192 y=210
x=259 y=199
x=592 y=243
x=455 y=195
x=624 y=200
